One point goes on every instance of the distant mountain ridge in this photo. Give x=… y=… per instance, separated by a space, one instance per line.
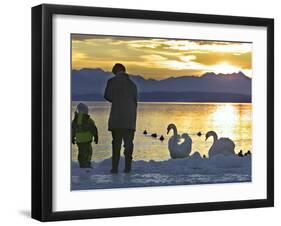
x=89 y=84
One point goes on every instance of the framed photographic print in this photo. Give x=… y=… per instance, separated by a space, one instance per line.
x=145 y=112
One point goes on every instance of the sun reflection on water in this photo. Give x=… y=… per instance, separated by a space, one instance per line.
x=225 y=118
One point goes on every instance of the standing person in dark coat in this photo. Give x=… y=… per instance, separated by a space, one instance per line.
x=122 y=93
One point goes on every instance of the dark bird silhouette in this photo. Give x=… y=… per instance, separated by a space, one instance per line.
x=240 y=154
x=199 y=134
x=248 y=153
x=144 y=132
x=154 y=135
x=161 y=138
x=204 y=156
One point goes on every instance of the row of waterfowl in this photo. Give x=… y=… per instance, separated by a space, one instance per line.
x=154 y=135
x=182 y=149
x=240 y=153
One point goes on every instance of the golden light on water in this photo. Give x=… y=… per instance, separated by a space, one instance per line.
x=225 y=118
x=226 y=115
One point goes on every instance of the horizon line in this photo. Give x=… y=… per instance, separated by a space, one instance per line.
x=208 y=72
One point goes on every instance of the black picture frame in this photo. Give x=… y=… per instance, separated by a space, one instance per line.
x=42 y=111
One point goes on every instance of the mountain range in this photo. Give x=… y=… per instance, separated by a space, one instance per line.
x=89 y=84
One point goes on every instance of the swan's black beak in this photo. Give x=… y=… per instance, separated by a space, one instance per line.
x=168 y=131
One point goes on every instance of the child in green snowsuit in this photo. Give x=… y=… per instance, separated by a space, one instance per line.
x=83 y=131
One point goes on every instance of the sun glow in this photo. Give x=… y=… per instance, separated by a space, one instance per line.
x=225 y=68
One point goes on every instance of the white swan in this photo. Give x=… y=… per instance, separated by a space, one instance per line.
x=223 y=146
x=177 y=149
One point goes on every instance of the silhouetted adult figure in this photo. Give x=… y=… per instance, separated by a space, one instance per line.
x=121 y=91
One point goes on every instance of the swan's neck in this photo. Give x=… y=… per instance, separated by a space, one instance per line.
x=215 y=136
x=175 y=131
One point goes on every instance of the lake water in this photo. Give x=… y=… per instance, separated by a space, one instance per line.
x=230 y=120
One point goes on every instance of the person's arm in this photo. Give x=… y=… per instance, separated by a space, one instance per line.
x=94 y=131
x=108 y=92
x=73 y=129
x=136 y=94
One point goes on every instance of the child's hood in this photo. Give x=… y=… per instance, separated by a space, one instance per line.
x=82 y=108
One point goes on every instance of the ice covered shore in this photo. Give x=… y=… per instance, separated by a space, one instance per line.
x=219 y=169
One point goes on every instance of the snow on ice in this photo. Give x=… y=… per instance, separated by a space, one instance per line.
x=194 y=170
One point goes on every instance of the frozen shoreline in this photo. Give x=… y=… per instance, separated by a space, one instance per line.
x=185 y=171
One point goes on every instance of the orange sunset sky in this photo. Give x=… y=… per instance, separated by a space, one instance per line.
x=160 y=58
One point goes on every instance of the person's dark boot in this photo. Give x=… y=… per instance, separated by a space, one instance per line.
x=83 y=165
x=128 y=165
x=115 y=163
x=127 y=170
x=114 y=171
x=89 y=165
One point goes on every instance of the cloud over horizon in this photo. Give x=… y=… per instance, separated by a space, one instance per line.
x=160 y=57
